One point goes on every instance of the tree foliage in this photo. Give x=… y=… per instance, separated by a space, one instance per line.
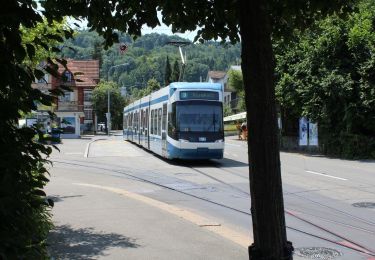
x=100 y=103
x=25 y=40
x=235 y=82
x=147 y=57
x=176 y=71
x=168 y=72
x=152 y=86
x=328 y=76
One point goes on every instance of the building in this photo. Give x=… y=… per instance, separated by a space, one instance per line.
x=41 y=116
x=74 y=110
x=214 y=76
x=230 y=96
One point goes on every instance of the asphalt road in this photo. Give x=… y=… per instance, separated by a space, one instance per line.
x=329 y=203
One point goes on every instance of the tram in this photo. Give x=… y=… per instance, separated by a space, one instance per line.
x=180 y=121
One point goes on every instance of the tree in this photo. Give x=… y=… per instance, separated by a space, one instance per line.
x=100 y=103
x=25 y=40
x=176 y=72
x=200 y=56
x=235 y=82
x=252 y=22
x=320 y=70
x=168 y=73
x=43 y=32
x=227 y=110
x=98 y=53
x=152 y=85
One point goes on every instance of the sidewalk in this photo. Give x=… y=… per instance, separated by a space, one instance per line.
x=102 y=216
x=98 y=218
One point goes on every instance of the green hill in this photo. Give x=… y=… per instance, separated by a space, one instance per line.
x=146 y=57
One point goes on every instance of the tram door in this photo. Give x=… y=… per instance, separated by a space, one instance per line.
x=163 y=130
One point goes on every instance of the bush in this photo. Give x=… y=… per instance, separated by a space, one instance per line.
x=26 y=219
x=349 y=146
x=24 y=208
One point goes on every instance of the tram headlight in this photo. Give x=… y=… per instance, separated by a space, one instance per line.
x=219 y=141
x=184 y=141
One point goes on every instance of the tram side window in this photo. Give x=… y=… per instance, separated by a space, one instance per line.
x=147 y=118
x=172 y=122
x=127 y=121
x=144 y=119
x=164 y=120
x=159 y=121
x=152 y=122
x=155 y=122
x=137 y=121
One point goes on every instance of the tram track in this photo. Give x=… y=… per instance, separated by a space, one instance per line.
x=357 y=247
x=370 y=223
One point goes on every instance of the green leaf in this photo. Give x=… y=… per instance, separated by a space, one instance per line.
x=30 y=51
x=39 y=193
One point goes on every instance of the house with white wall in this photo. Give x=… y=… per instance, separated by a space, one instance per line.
x=74 y=110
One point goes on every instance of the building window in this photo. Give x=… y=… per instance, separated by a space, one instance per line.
x=68 y=77
x=88 y=114
x=66 y=97
x=87 y=95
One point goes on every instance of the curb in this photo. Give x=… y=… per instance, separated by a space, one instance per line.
x=87 y=150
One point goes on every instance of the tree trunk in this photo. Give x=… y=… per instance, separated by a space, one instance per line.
x=267 y=206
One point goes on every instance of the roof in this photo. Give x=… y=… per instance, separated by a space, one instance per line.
x=213 y=74
x=238 y=116
x=196 y=85
x=88 y=72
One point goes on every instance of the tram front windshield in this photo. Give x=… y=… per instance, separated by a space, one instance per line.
x=199 y=116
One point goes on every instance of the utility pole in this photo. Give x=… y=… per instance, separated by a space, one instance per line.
x=109 y=113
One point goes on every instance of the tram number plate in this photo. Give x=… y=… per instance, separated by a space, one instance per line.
x=202 y=139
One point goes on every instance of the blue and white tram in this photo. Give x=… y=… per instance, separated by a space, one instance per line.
x=183 y=120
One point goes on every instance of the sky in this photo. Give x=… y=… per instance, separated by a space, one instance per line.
x=163 y=29
x=167 y=30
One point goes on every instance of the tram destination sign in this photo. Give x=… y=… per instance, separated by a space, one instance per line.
x=198 y=94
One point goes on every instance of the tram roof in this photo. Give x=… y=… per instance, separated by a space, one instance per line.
x=239 y=116
x=196 y=85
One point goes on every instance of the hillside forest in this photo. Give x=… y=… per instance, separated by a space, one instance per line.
x=146 y=57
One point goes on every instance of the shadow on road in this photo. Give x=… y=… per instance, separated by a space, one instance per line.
x=84 y=243
x=222 y=163
x=57 y=198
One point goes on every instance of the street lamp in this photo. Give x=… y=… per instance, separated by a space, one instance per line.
x=108 y=115
x=180 y=44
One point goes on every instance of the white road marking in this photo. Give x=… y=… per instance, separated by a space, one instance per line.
x=74 y=153
x=86 y=154
x=326 y=175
